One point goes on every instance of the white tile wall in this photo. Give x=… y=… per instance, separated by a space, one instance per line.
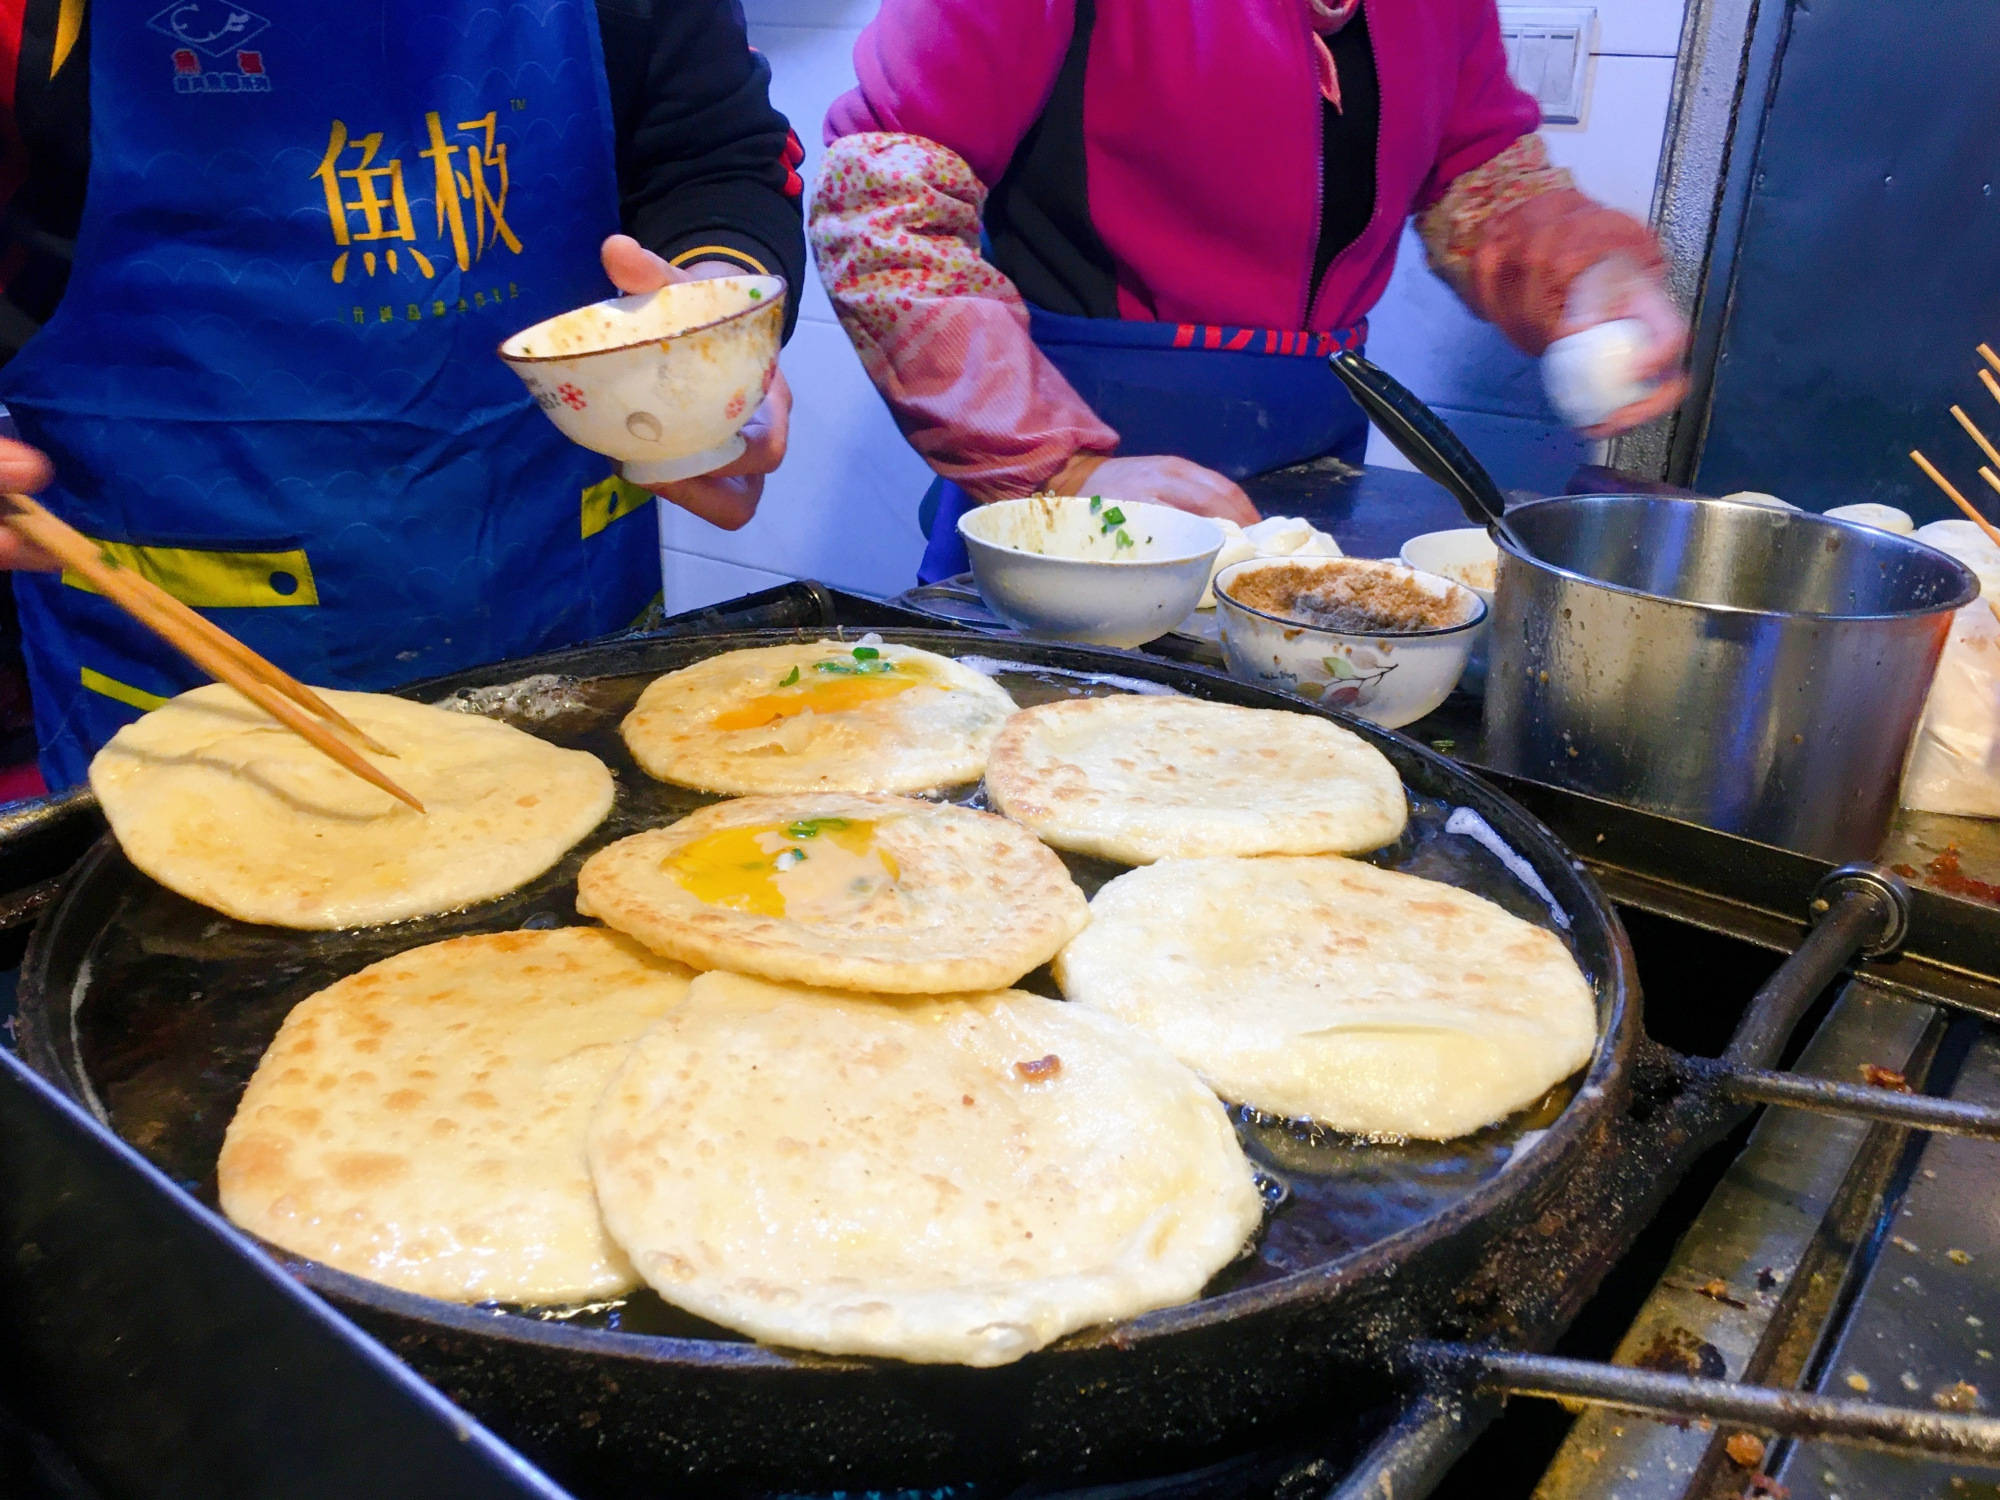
x=843 y=508
x=1637 y=28
x=691 y=581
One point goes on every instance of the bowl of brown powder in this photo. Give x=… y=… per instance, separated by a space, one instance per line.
x=1375 y=638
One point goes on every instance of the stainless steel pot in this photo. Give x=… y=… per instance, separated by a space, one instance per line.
x=1755 y=670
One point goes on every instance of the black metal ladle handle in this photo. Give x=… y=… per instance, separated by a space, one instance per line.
x=1421 y=436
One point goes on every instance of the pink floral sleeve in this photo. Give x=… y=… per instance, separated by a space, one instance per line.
x=1510 y=235
x=944 y=336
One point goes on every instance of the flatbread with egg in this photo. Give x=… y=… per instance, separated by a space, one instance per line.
x=819 y=716
x=848 y=891
x=421 y=1123
x=1137 y=778
x=953 y=1179
x=1329 y=990
x=215 y=799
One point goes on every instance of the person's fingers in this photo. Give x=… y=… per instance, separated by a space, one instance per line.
x=765 y=436
x=1669 y=349
x=22 y=468
x=1208 y=493
x=1224 y=503
x=1657 y=403
x=634 y=268
x=1236 y=507
x=725 y=502
x=17 y=553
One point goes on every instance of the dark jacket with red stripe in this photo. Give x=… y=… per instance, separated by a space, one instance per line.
x=703 y=158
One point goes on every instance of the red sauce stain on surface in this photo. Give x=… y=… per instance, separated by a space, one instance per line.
x=1944 y=874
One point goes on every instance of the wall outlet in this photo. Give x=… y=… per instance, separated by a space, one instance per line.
x=1548 y=54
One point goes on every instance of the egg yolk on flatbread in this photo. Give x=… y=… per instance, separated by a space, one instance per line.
x=831 y=687
x=813 y=868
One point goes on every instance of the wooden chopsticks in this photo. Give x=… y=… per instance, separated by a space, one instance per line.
x=206 y=644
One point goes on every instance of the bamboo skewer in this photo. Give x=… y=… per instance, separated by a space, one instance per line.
x=1986 y=353
x=1975 y=434
x=210 y=647
x=1992 y=386
x=1951 y=490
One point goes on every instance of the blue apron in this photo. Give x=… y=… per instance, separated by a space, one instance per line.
x=1241 y=401
x=272 y=383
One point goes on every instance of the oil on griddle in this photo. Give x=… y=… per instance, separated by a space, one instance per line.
x=167 y=1073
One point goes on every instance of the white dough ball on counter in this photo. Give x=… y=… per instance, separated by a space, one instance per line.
x=1274 y=536
x=1236 y=547
x=1881 y=517
x=1954 y=766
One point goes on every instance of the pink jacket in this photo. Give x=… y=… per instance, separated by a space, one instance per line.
x=1201 y=162
x=1202 y=132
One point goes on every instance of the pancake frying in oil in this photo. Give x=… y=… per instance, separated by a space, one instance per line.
x=1326 y=989
x=946 y=1179
x=824 y=716
x=421 y=1123
x=1139 y=777
x=844 y=891
x=220 y=802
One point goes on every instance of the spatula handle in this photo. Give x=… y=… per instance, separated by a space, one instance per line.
x=1420 y=435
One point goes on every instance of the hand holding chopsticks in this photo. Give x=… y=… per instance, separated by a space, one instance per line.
x=206 y=644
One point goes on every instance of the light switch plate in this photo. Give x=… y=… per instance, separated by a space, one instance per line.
x=1548 y=54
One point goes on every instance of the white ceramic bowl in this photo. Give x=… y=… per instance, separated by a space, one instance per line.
x=1394 y=678
x=661 y=381
x=1466 y=555
x=1054 y=567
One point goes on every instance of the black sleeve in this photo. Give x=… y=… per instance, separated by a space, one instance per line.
x=706 y=167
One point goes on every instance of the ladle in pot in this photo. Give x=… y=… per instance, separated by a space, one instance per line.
x=1420 y=435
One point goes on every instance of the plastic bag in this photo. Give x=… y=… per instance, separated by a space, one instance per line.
x=1954 y=766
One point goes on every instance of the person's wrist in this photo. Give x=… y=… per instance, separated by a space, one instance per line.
x=1071 y=478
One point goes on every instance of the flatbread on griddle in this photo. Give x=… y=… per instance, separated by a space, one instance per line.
x=819 y=716
x=847 y=891
x=421 y=1123
x=220 y=802
x=1139 y=777
x=1325 y=989
x=954 y=1179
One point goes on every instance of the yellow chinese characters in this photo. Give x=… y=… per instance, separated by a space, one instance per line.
x=455 y=189
x=366 y=201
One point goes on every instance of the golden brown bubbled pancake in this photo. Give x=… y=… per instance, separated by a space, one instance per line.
x=421 y=1123
x=954 y=1179
x=848 y=891
x=1137 y=778
x=215 y=799
x=1325 y=989
x=823 y=716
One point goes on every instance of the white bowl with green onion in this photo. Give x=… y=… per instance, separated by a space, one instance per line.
x=1089 y=568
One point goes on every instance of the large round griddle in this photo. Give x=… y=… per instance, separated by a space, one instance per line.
x=154 y=1011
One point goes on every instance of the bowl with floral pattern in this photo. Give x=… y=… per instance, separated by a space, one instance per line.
x=1376 y=639
x=661 y=381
